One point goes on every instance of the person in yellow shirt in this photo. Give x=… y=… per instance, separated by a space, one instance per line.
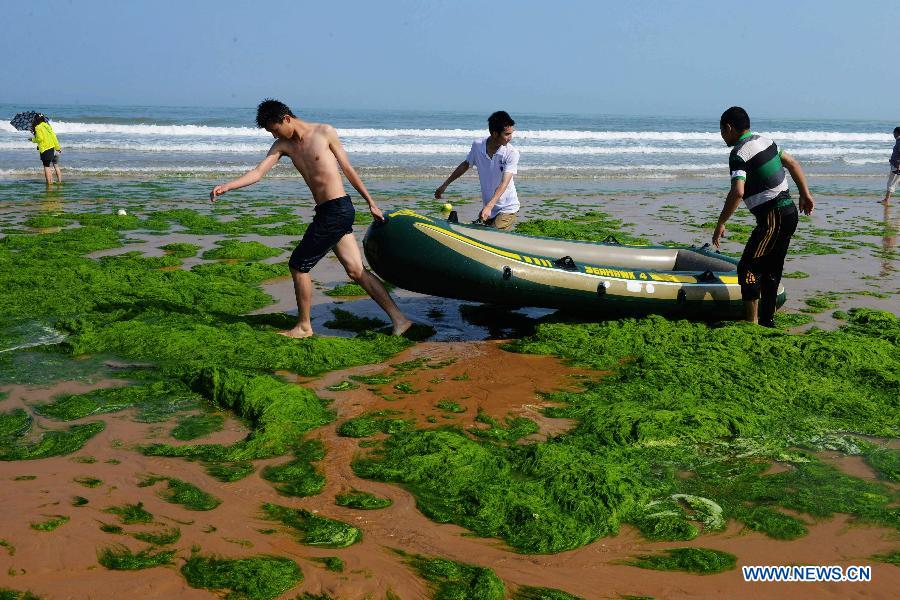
x=48 y=147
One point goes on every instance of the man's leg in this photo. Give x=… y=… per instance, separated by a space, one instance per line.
x=48 y=175
x=303 y=291
x=58 y=174
x=773 y=263
x=503 y=221
x=348 y=253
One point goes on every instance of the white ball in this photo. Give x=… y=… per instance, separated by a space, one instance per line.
x=121 y=212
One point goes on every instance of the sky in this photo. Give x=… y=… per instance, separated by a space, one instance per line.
x=797 y=59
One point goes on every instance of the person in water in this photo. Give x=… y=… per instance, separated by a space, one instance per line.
x=894 y=161
x=496 y=162
x=318 y=155
x=48 y=147
x=757 y=177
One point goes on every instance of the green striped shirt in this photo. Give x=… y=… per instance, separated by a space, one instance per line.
x=757 y=160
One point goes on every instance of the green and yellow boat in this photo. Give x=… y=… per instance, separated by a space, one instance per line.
x=442 y=257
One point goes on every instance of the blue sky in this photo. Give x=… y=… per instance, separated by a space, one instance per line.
x=778 y=59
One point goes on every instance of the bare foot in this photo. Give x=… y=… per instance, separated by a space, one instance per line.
x=297 y=332
x=401 y=327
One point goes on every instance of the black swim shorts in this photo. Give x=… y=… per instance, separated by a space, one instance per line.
x=49 y=156
x=332 y=221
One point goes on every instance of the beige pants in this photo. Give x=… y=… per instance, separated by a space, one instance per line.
x=893 y=180
x=502 y=221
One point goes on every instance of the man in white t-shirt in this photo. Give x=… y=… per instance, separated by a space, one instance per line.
x=496 y=162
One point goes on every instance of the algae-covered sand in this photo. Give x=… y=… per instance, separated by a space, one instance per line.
x=152 y=420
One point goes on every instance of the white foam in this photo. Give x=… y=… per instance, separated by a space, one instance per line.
x=75 y=127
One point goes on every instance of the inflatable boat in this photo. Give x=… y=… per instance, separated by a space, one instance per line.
x=442 y=257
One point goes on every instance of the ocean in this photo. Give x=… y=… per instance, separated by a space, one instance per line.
x=139 y=142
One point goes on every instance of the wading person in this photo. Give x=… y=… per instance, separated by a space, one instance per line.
x=496 y=162
x=894 y=174
x=48 y=147
x=317 y=153
x=757 y=177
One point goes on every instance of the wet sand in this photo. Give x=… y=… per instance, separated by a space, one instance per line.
x=63 y=564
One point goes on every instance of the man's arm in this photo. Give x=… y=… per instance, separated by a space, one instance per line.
x=251 y=176
x=806 y=200
x=350 y=173
x=504 y=183
x=732 y=201
x=456 y=174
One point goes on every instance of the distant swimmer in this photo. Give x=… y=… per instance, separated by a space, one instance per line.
x=894 y=174
x=318 y=155
x=758 y=178
x=496 y=162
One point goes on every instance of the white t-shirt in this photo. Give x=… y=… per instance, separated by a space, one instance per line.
x=490 y=173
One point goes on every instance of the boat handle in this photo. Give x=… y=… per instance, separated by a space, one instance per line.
x=507 y=272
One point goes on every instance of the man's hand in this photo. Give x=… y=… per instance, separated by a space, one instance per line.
x=376 y=212
x=216 y=192
x=806 y=203
x=718 y=234
x=485 y=213
x=439 y=192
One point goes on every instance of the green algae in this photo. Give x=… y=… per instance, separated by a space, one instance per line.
x=298 y=477
x=181 y=249
x=51 y=524
x=181 y=492
x=536 y=593
x=818 y=304
x=235 y=250
x=84 y=460
x=892 y=558
x=378 y=379
x=510 y=431
x=46 y=221
x=885 y=461
x=455 y=580
x=255 y=578
x=406 y=387
x=449 y=406
x=332 y=563
x=373 y=422
x=785 y=320
x=314 y=530
x=280 y=222
x=346 y=321
x=229 y=472
x=10 y=549
x=592 y=226
x=130 y=514
x=279 y=413
x=693 y=560
x=362 y=500
x=110 y=528
x=682 y=397
x=147 y=398
x=14 y=423
x=120 y=558
x=24 y=477
x=79 y=501
x=347 y=290
x=795 y=275
x=248 y=273
x=50 y=443
x=89 y=482
x=11 y=594
x=195 y=426
x=186 y=342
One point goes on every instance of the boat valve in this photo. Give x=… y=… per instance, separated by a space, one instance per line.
x=507 y=272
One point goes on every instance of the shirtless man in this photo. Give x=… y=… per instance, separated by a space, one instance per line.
x=316 y=152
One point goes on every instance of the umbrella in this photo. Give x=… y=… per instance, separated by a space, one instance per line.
x=22 y=121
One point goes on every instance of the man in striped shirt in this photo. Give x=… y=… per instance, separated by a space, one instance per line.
x=758 y=178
